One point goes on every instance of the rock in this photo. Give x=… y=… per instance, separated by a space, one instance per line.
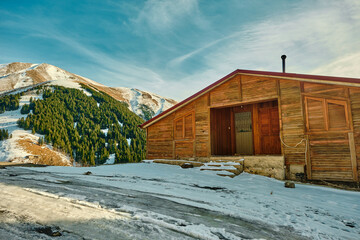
x=289 y=184
x=186 y=165
x=87 y=173
x=48 y=231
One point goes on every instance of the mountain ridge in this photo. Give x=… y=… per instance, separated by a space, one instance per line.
x=17 y=75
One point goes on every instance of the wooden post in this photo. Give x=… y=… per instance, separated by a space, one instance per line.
x=147 y=140
x=240 y=89
x=209 y=130
x=353 y=157
x=308 y=159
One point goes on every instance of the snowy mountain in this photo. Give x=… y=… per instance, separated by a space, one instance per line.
x=20 y=75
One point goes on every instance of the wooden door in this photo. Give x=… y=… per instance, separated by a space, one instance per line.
x=243 y=133
x=221 y=125
x=268 y=128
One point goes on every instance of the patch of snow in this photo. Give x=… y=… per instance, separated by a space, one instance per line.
x=111 y=159
x=98 y=104
x=134 y=103
x=120 y=123
x=137 y=97
x=9 y=148
x=3 y=65
x=105 y=131
x=147 y=161
x=90 y=81
x=87 y=93
x=129 y=141
x=220 y=165
x=66 y=83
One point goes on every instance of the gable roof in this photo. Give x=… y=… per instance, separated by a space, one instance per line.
x=288 y=76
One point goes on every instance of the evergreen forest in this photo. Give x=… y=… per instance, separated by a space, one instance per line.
x=88 y=128
x=9 y=102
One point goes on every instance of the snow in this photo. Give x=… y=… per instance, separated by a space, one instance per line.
x=87 y=93
x=105 y=131
x=136 y=98
x=111 y=159
x=220 y=165
x=4 y=65
x=120 y=123
x=23 y=79
x=129 y=141
x=315 y=212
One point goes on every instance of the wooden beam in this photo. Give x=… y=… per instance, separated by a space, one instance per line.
x=255 y=122
x=353 y=157
x=308 y=159
x=233 y=139
x=210 y=132
x=238 y=103
x=280 y=116
x=147 y=140
x=240 y=89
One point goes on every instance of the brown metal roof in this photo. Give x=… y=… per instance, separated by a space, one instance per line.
x=289 y=76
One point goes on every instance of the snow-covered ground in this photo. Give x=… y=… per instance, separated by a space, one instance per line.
x=168 y=202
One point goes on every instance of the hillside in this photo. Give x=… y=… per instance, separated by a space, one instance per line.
x=54 y=117
x=19 y=75
x=86 y=126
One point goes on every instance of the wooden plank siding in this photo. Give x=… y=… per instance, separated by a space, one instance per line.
x=292 y=122
x=227 y=93
x=258 y=88
x=202 y=130
x=330 y=157
x=160 y=139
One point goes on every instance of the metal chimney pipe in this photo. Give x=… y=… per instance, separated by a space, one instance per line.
x=283 y=57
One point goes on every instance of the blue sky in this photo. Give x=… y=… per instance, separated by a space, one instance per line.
x=175 y=48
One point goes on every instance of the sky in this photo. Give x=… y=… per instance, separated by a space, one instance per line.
x=176 y=48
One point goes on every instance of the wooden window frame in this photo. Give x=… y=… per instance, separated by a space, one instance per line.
x=325 y=105
x=182 y=118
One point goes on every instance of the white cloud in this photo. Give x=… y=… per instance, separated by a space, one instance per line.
x=164 y=15
x=347 y=66
x=309 y=38
x=322 y=39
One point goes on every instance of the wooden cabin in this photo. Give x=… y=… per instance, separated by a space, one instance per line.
x=312 y=121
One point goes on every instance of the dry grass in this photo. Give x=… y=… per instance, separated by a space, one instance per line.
x=35 y=76
x=41 y=154
x=17 y=66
